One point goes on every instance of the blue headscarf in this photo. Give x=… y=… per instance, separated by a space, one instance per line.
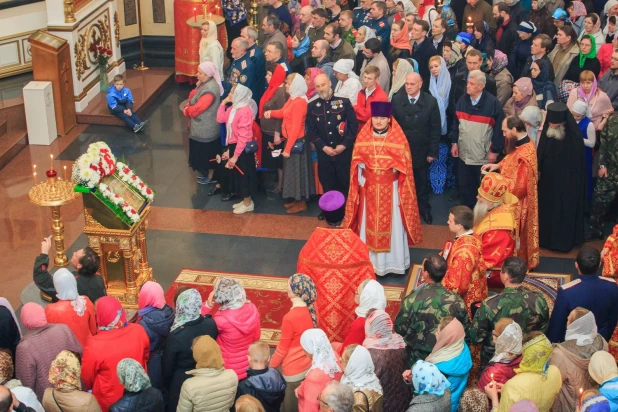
x=440 y=88
x=302 y=48
x=428 y=379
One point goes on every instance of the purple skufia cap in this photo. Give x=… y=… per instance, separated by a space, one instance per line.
x=381 y=109
x=333 y=206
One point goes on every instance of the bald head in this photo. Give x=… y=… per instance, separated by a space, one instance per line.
x=305 y=14
x=6 y=399
x=322 y=85
x=320 y=49
x=413 y=84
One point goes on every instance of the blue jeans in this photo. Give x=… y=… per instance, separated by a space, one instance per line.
x=130 y=121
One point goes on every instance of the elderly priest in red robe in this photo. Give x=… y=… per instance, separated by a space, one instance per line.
x=382 y=206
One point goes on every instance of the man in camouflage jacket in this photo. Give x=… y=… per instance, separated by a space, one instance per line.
x=528 y=308
x=607 y=184
x=422 y=310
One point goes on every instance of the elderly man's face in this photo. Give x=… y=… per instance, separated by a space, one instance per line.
x=268 y=28
x=322 y=86
x=413 y=84
x=305 y=15
x=271 y=54
x=473 y=88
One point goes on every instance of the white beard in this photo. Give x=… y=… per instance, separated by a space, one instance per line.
x=480 y=211
x=557 y=133
x=325 y=95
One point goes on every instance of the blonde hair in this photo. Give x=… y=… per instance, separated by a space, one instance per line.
x=586 y=76
x=248 y=403
x=259 y=351
x=347 y=353
x=433 y=59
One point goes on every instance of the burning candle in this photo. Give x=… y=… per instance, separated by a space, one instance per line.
x=195 y=14
x=34 y=177
x=581 y=392
x=65 y=178
x=217 y=7
x=209 y=15
x=51 y=162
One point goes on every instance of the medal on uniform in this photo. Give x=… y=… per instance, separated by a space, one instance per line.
x=318 y=104
x=338 y=117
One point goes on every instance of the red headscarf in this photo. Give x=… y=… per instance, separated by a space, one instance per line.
x=313 y=72
x=276 y=80
x=110 y=314
x=403 y=39
x=33 y=316
x=152 y=295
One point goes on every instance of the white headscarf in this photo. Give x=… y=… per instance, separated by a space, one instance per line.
x=315 y=342
x=241 y=98
x=360 y=372
x=583 y=330
x=372 y=297
x=211 y=37
x=408 y=7
x=399 y=79
x=4 y=302
x=509 y=343
x=369 y=34
x=440 y=89
x=298 y=88
x=66 y=288
x=345 y=66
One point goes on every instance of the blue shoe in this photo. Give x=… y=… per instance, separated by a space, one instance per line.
x=205 y=181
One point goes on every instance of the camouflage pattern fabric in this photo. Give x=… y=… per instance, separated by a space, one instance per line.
x=606 y=188
x=420 y=314
x=528 y=308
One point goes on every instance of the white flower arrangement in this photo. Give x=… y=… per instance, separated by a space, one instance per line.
x=119 y=201
x=128 y=176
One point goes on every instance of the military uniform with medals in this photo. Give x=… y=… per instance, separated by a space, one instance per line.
x=259 y=64
x=383 y=32
x=361 y=17
x=241 y=71
x=332 y=122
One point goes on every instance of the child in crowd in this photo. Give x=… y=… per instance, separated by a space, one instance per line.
x=120 y=102
x=264 y=383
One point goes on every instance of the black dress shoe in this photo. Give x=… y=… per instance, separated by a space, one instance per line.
x=228 y=197
x=427 y=218
x=214 y=191
x=321 y=216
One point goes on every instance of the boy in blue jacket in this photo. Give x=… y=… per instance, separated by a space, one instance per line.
x=120 y=102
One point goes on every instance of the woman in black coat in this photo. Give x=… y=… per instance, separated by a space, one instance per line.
x=587 y=60
x=483 y=41
x=139 y=395
x=178 y=355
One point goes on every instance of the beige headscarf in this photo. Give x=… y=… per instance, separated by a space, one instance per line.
x=449 y=344
x=602 y=367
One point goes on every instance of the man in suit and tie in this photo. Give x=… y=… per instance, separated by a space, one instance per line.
x=418 y=115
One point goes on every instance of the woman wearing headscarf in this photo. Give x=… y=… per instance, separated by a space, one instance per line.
x=540 y=16
x=503 y=77
x=572 y=357
x=324 y=368
x=369 y=295
x=210 y=387
x=178 y=355
x=452 y=56
x=605 y=54
x=452 y=357
x=598 y=103
x=603 y=370
x=301 y=50
x=65 y=394
x=507 y=337
x=10 y=333
x=23 y=394
x=388 y=353
x=363 y=34
x=440 y=88
x=201 y=109
x=289 y=353
x=431 y=388
x=483 y=41
x=77 y=312
x=580 y=112
x=238 y=119
x=116 y=340
x=533 y=119
x=238 y=321
x=273 y=99
x=358 y=372
x=544 y=87
x=401 y=69
x=310 y=75
x=210 y=48
x=577 y=13
x=348 y=85
x=400 y=42
x=536 y=379
x=139 y=395
x=40 y=345
x=592 y=26
x=298 y=184
x=585 y=60
x=523 y=96
x=156 y=317
x=473 y=400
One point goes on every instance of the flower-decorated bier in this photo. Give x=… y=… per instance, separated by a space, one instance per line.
x=116 y=208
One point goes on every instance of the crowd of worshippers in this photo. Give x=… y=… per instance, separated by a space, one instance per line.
x=508 y=354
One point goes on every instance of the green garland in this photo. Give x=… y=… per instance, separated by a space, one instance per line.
x=114 y=208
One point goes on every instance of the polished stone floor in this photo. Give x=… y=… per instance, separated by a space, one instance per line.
x=188 y=229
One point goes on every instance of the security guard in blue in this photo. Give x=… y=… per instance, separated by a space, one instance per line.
x=241 y=70
x=273 y=54
x=257 y=57
x=331 y=127
x=361 y=14
x=379 y=23
x=589 y=291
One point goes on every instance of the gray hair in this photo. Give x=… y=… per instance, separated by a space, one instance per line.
x=273 y=20
x=277 y=45
x=252 y=32
x=478 y=76
x=338 y=396
x=242 y=43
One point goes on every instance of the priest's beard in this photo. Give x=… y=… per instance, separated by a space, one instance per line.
x=557 y=133
x=511 y=143
x=481 y=209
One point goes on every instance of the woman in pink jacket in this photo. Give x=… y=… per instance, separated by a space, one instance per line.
x=238 y=120
x=238 y=321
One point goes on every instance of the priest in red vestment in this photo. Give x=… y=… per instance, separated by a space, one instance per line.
x=494 y=222
x=382 y=206
x=519 y=168
x=338 y=262
x=464 y=259
x=609 y=257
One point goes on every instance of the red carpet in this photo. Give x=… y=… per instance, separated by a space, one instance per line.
x=268 y=293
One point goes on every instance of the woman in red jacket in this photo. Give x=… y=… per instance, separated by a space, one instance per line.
x=507 y=337
x=298 y=183
x=117 y=339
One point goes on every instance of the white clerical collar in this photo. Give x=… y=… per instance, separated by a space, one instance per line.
x=469 y=232
x=523 y=137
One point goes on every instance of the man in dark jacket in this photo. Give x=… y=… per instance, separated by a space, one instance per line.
x=422 y=49
x=539 y=50
x=263 y=383
x=474 y=59
x=418 y=115
x=506 y=35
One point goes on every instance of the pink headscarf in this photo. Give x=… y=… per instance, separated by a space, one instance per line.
x=310 y=85
x=33 y=316
x=151 y=295
x=579 y=10
x=593 y=91
x=524 y=84
x=210 y=70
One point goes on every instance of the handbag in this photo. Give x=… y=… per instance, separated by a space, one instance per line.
x=251 y=147
x=565 y=89
x=299 y=147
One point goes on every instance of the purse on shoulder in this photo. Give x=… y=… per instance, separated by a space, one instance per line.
x=251 y=147
x=299 y=146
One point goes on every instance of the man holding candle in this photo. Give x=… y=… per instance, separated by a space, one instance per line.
x=479 y=10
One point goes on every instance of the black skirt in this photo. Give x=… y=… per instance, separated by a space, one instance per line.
x=201 y=154
x=269 y=162
x=244 y=185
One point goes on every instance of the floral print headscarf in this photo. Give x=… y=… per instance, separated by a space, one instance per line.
x=188 y=308
x=428 y=379
x=535 y=356
x=65 y=372
x=303 y=287
x=229 y=294
x=132 y=375
x=6 y=367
